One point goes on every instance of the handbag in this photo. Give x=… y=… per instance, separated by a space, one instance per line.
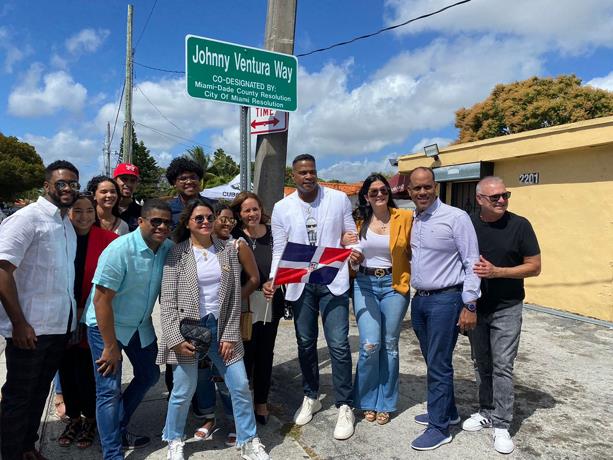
x=198 y=335
x=246 y=324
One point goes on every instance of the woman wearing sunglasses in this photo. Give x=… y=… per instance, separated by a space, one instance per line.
x=201 y=281
x=106 y=196
x=381 y=296
x=76 y=369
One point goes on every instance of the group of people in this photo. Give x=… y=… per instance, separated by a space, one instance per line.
x=75 y=296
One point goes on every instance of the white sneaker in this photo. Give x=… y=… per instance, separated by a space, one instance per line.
x=175 y=450
x=344 y=424
x=476 y=422
x=254 y=450
x=502 y=441
x=305 y=412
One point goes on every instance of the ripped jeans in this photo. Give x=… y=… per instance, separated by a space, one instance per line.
x=379 y=311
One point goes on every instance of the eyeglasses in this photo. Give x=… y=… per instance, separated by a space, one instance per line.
x=199 y=219
x=494 y=198
x=372 y=193
x=184 y=179
x=158 y=222
x=62 y=184
x=227 y=220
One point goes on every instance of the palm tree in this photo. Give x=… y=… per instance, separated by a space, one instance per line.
x=197 y=155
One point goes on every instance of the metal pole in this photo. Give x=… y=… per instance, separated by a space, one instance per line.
x=248 y=134
x=271 y=149
x=107 y=150
x=127 y=124
x=244 y=133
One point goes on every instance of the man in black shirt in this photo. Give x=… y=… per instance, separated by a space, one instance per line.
x=127 y=177
x=509 y=252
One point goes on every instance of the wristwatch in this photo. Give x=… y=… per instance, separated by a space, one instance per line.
x=471 y=307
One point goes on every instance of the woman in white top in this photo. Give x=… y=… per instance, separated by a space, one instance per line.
x=201 y=281
x=106 y=195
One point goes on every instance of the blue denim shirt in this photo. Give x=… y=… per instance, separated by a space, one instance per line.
x=130 y=268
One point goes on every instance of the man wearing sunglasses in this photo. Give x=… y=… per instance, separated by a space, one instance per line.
x=126 y=285
x=509 y=253
x=37 y=251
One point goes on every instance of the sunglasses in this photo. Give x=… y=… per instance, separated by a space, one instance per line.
x=62 y=184
x=494 y=198
x=199 y=219
x=227 y=220
x=157 y=222
x=375 y=192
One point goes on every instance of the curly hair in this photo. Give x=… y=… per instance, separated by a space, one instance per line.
x=92 y=186
x=180 y=165
x=238 y=202
x=181 y=232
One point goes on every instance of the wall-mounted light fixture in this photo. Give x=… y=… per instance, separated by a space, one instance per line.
x=431 y=151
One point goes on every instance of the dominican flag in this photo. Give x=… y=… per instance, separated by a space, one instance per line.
x=302 y=263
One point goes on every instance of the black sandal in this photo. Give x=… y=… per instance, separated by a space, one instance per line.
x=70 y=433
x=87 y=435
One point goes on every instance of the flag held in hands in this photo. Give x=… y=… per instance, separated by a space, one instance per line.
x=302 y=263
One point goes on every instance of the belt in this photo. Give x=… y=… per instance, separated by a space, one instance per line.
x=424 y=293
x=378 y=272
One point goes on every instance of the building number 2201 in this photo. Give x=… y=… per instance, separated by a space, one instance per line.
x=529 y=178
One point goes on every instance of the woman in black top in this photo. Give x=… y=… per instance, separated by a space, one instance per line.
x=259 y=351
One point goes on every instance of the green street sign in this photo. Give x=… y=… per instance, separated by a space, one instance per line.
x=237 y=74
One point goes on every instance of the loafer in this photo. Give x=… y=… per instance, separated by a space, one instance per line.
x=430 y=439
x=261 y=419
x=423 y=419
x=134 y=441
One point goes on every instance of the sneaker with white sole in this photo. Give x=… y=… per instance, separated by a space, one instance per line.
x=476 y=422
x=423 y=419
x=344 y=423
x=254 y=450
x=502 y=441
x=305 y=412
x=175 y=450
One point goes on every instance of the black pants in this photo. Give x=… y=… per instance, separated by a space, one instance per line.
x=259 y=354
x=28 y=378
x=78 y=382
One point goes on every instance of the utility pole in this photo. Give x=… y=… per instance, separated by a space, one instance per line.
x=107 y=151
x=127 y=124
x=271 y=149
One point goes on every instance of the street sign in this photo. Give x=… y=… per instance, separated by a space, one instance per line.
x=237 y=74
x=266 y=121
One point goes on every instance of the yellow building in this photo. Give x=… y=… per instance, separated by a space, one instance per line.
x=561 y=179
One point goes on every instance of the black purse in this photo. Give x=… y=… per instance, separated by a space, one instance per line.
x=198 y=335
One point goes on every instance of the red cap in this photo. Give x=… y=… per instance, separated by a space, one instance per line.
x=126 y=169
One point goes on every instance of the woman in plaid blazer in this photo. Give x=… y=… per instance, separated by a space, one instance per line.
x=201 y=281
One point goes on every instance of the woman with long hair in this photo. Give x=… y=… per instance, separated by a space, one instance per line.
x=76 y=369
x=381 y=296
x=106 y=196
x=253 y=227
x=201 y=282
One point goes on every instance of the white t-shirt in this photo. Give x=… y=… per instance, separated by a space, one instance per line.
x=376 y=250
x=209 y=278
x=310 y=212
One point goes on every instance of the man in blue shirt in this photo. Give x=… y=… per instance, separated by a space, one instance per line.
x=186 y=177
x=126 y=286
x=443 y=252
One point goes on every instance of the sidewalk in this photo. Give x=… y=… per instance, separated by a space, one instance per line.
x=562 y=407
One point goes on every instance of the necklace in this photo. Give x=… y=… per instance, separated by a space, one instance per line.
x=253 y=240
x=109 y=227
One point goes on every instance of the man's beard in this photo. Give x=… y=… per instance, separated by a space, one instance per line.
x=56 y=200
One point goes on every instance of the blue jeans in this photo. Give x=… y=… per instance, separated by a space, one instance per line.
x=114 y=409
x=185 y=378
x=379 y=311
x=209 y=378
x=316 y=299
x=435 y=321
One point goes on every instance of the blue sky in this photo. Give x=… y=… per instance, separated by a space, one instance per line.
x=62 y=69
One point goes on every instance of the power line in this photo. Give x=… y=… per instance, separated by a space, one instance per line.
x=146 y=24
x=158 y=110
x=335 y=45
x=123 y=88
x=167 y=134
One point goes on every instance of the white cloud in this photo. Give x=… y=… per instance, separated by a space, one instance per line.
x=568 y=25
x=355 y=171
x=66 y=145
x=12 y=53
x=163 y=159
x=59 y=91
x=440 y=141
x=86 y=41
x=605 y=82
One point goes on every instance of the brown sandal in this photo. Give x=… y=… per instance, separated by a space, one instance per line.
x=370 y=415
x=383 y=418
x=70 y=433
x=87 y=435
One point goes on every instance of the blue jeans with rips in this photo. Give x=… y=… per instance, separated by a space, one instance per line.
x=379 y=311
x=114 y=409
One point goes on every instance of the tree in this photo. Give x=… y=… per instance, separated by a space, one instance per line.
x=151 y=184
x=197 y=155
x=532 y=104
x=289 y=179
x=21 y=168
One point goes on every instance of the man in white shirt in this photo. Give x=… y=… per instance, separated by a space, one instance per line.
x=318 y=216
x=37 y=252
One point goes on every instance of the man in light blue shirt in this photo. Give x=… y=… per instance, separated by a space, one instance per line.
x=443 y=252
x=126 y=285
